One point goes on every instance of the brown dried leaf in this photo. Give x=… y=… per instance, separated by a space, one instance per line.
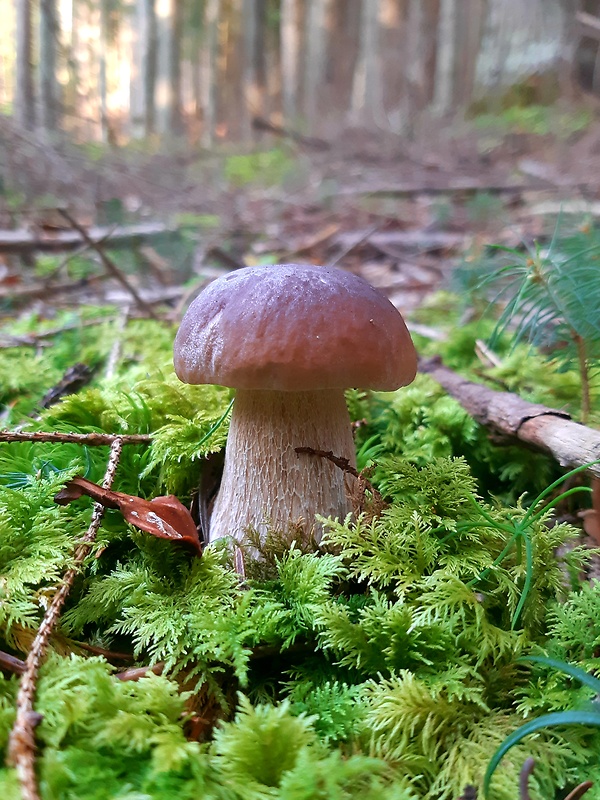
x=591 y=516
x=164 y=517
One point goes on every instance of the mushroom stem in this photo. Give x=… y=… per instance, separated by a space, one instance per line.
x=265 y=482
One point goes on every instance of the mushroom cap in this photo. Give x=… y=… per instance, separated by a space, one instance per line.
x=294 y=327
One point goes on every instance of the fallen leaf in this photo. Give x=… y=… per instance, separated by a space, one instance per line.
x=591 y=516
x=164 y=517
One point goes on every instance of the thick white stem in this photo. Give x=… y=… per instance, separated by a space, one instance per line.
x=265 y=482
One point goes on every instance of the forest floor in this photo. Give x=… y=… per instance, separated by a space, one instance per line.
x=402 y=213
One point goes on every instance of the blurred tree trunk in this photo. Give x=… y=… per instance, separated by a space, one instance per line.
x=470 y=26
x=210 y=52
x=317 y=40
x=392 y=38
x=24 y=92
x=233 y=119
x=103 y=87
x=253 y=27
x=443 y=98
x=290 y=54
x=367 y=98
x=149 y=34
x=520 y=39
x=343 y=53
x=49 y=32
x=168 y=87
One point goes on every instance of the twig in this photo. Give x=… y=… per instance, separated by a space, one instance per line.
x=42 y=290
x=22 y=738
x=91 y=439
x=135 y=673
x=33 y=339
x=579 y=791
x=109 y=264
x=584 y=371
x=524 y=776
x=262 y=124
x=109 y=655
x=357 y=241
x=11 y=664
x=339 y=461
x=363 y=483
x=115 y=351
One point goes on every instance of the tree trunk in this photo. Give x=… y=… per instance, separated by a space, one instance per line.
x=470 y=25
x=168 y=86
x=253 y=26
x=149 y=65
x=443 y=98
x=103 y=87
x=316 y=51
x=520 y=39
x=48 y=50
x=343 y=54
x=24 y=92
x=210 y=53
x=290 y=53
x=367 y=102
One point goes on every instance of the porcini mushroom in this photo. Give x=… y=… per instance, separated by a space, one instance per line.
x=290 y=339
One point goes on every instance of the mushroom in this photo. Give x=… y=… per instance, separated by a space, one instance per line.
x=290 y=339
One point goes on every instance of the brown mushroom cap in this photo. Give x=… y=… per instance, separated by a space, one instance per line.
x=294 y=327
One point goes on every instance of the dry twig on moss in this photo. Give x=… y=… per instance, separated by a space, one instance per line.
x=526 y=771
x=22 y=737
x=11 y=664
x=361 y=486
x=90 y=439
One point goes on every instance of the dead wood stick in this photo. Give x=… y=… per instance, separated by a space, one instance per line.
x=352 y=244
x=546 y=429
x=121 y=236
x=44 y=290
x=135 y=673
x=92 y=439
x=11 y=664
x=109 y=264
x=343 y=464
x=262 y=124
x=524 y=775
x=33 y=339
x=22 y=737
x=579 y=791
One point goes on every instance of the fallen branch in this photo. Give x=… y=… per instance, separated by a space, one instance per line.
x=453 y=186
x=48 y=288
x=75 y=378
x=109 y=264
x=91 y=439
x=35 y=339
x=262 y=124
x=22 y=737
x=23 y=241
x=546 y=429
x=421 y=239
